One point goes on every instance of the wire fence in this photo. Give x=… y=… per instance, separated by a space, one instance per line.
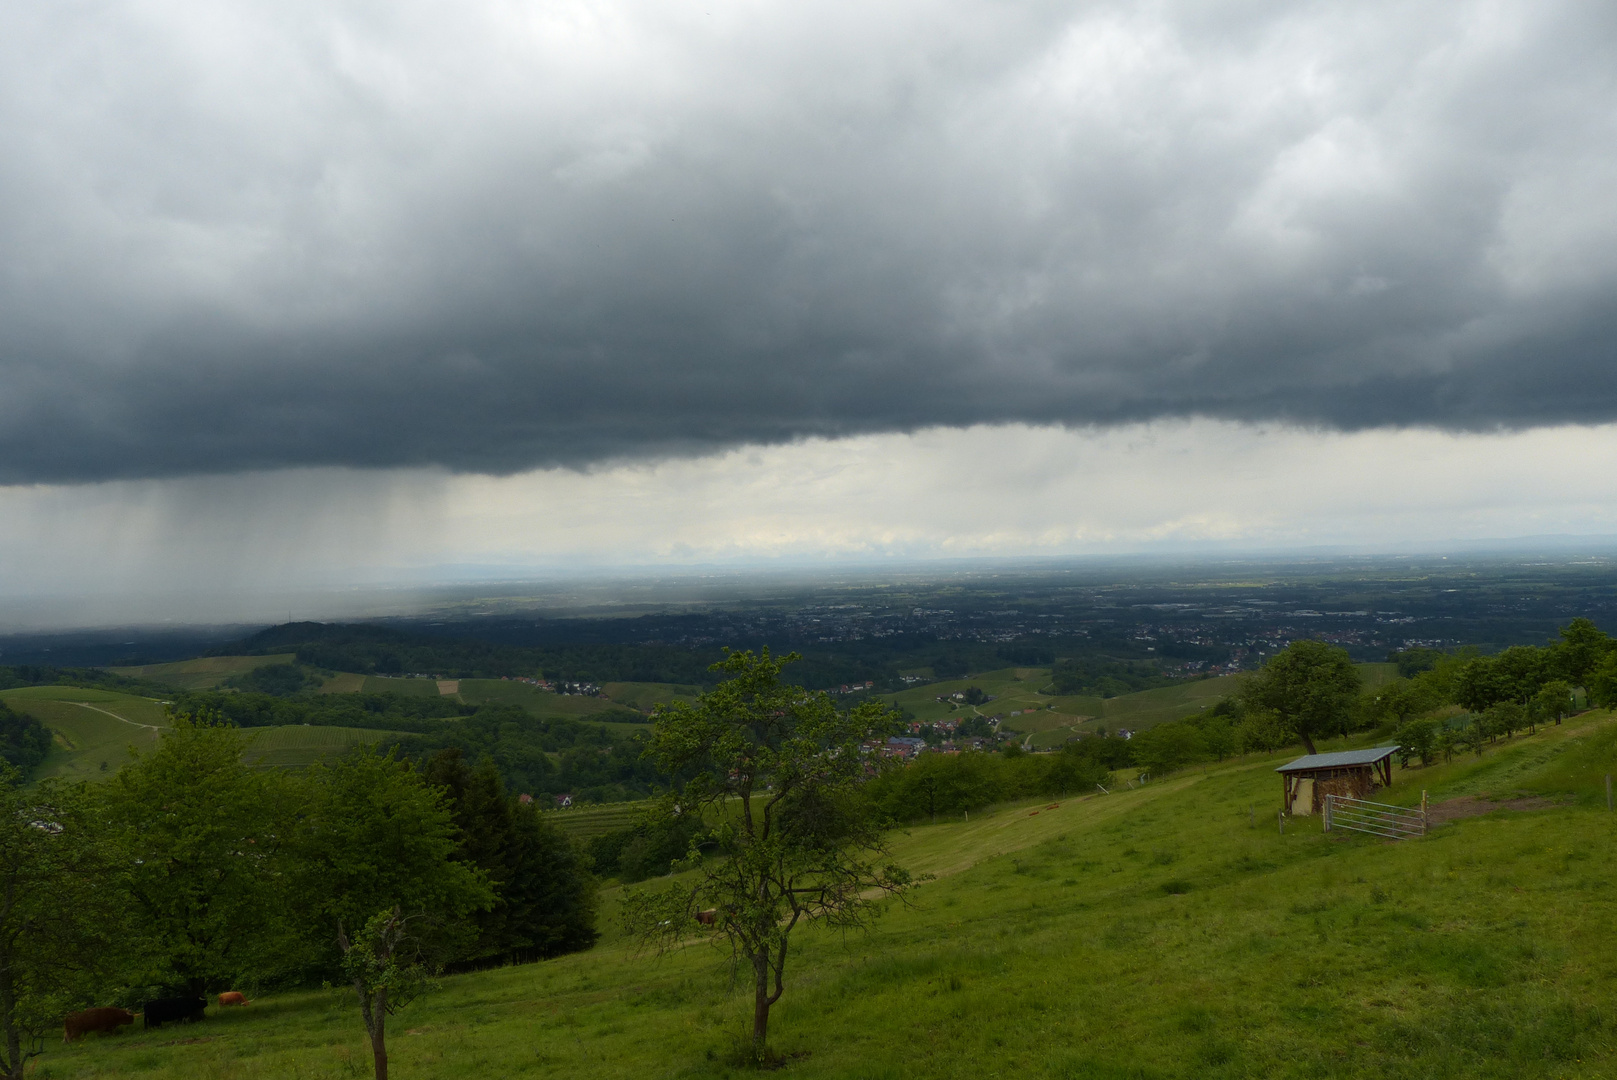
x=1377 y=819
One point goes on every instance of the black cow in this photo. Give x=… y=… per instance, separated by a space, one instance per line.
x=162 y=1011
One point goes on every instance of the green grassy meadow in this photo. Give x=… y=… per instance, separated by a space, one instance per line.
x=1167 y=931
x=202 y=673
x=91 y=730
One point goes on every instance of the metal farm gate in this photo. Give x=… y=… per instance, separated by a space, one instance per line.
x=1378 y=819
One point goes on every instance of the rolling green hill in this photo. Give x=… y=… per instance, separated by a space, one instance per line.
x=202 y=673
x=91 y=730
x=1164 y=932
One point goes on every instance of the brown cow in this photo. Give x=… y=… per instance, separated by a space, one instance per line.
x=710 y=917
x=103 y=1019
x=232 y=997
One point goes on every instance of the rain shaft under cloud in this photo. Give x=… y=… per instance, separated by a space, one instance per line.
x=497 y=236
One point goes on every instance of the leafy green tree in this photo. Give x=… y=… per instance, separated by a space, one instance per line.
x=1403 y=698
x=1581 y=650
x=204 y=835
x=1170 y=746
x=1417 y=738
x=1474 y=735
x=777 y=772
x=277 y=680
x=936 y=784
x=1070 y=770
x=60 y=910
x=24 y=741
x=1261 y=731
x=549 y=894
x=376 y=836
x=1412 y=662
x=1218 y=735
x=385 y=965
x=1553 y=702
x=1310 y=686
x=1504 y=719
x=1449 y=739
x=1515 y=674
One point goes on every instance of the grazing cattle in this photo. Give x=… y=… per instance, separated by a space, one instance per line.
x=104 y=1019
x=232 y=997
x=162 y=1011
x=709 y=917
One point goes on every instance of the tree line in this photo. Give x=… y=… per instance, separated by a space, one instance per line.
x=1439 y=703
x=190 y=872
x=1110 y=665
x=24 y=741
x=1309 y=692
x=539 y=756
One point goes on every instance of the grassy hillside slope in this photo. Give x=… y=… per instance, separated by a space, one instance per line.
x=91 y=730
x=92 y=727
x=1169 y=931
x=202 y=673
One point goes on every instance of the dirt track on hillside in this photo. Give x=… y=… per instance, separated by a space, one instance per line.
x=1476 y=805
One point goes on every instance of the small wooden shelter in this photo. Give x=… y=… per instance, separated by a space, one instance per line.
x=1354 y=773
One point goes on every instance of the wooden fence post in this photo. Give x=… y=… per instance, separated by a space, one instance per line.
x=1281 y=814
x=1423 y=822
x=1608 y=791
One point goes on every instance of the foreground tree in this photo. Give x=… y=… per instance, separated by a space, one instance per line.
x=204 y=835
x=544 y=894
x=775 y=774
x=1310 y=687
x=380 y=882
x=1582 y=649
x=384 y=963
x=59 y=911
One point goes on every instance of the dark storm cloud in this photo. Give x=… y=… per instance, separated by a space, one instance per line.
x=497 y=236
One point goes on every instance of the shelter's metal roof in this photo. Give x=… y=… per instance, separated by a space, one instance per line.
x=1341 y=759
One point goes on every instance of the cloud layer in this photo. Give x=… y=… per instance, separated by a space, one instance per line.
x=495 y=236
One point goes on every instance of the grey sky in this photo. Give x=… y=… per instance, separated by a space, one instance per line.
x=491 y=237
x=337 y=542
